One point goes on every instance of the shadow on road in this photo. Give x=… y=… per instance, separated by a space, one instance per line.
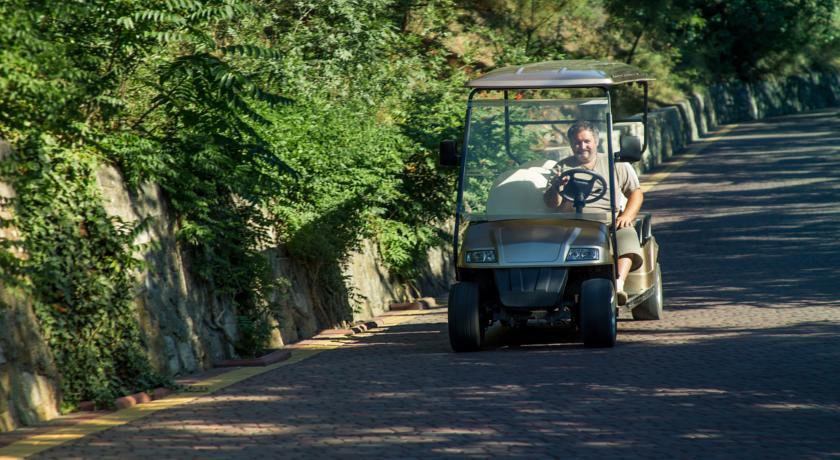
x=401 y=392
x=756 y=223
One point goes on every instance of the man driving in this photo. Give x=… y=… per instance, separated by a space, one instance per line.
x=583 y=137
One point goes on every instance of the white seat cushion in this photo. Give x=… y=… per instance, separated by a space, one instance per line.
x=520 y=190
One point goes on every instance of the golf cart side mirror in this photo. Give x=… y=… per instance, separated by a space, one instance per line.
x=448 y=153
x=631 y=149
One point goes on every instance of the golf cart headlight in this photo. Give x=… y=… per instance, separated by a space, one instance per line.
x=576 y=254
x=485 y=256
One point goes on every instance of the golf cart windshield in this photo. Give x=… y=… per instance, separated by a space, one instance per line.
x=508 y=165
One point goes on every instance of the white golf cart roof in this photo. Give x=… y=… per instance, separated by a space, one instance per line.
x=560 y=74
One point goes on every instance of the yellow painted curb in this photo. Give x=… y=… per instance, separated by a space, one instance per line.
x=658 y=176
x=304 y=350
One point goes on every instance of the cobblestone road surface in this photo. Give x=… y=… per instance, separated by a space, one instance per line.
x=746 y=364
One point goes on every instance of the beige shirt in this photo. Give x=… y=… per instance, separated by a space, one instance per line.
x=625 y=176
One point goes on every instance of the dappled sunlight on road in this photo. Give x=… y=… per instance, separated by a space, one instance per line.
x=713 y=387
x=765 y=218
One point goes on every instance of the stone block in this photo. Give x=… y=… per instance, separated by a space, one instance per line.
x=402 y=306
x=427 y=302
x=141 y=397
x=7 y=422
x=125 y=402
x=171 y=351
x=37 y=398
x=185 y=351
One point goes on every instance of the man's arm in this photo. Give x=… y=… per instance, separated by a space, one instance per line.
x=551 y=196
x=631 y=210
x=553 y=199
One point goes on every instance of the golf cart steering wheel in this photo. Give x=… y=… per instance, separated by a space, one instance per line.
x=579 y=191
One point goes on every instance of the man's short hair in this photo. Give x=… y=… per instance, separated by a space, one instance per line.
x=581 y=126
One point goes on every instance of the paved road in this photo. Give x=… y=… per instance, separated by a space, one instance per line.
x=746 y=364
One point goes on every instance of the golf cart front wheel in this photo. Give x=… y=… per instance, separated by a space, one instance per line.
x=598 y=321
x=465 y=328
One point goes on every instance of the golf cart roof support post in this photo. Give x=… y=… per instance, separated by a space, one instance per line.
x=645 y=118
x=507 y=125
x=461 y=179
x=611 y=157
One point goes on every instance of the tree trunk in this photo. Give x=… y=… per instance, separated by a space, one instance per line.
x=635 y=44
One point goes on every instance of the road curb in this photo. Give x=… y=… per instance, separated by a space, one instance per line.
x=274 y=357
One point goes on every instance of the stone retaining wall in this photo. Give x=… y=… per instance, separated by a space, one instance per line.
x=28 y=390
x=674 y=127
x=188 y=326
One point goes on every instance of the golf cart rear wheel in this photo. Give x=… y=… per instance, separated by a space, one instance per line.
x=597 y=313
x=651 y=308
x=465 y=328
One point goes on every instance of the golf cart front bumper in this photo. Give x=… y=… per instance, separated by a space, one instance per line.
x=530 y=287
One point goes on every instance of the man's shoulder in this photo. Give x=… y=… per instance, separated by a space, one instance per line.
x=603 y=162
x=627 y=177
x=627 y=168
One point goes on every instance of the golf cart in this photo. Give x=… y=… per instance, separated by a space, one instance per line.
x=518 y=262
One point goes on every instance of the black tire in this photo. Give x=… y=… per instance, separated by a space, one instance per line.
x=598 y=321
x=465 y=329
x=651 y=308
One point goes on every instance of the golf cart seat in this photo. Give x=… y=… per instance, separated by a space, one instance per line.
x=520 y=190
x=643 y=228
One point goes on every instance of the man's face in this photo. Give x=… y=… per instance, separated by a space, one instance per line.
x=584 y=146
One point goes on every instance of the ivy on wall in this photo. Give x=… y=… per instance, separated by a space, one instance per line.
x=78 y=269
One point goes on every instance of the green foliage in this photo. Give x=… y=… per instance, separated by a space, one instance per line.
x=371 y=106
x=744 y=39
x=524 y=30
x=206 y=153
x=789 y=28
x=79 y=267
x=312 y=124
x=167 y=95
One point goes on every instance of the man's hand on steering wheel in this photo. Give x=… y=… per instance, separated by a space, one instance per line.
x=559 y=182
